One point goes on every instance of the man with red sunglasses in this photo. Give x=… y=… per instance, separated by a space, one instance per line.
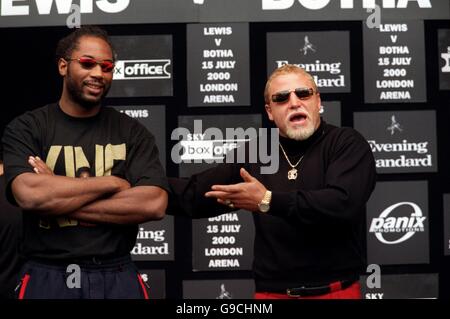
x=85 y=176
x=309 y=215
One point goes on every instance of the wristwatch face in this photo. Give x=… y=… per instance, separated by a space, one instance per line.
x=264 y=208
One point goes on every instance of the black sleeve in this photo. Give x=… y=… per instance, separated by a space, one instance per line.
x=187 y=195
x=21 y=139
x=143 y=165
x=349 y=180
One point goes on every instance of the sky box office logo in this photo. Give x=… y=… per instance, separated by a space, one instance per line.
x=207 y=150
x=142 y=69
x=213 y=146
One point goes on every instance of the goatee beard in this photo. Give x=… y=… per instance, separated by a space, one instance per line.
x=76 y=94
x=300 y=134
x=78 y=98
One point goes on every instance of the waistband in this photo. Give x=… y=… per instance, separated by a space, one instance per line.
x=305 y=291
x=84 y=262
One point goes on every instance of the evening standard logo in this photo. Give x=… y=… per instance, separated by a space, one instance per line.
x=224 y=293
x=405 y=147
x=307 y=46
x=156 y=237
x=446 y=57
x=395 y=126
x=405 y=226
x=142 y=69
x=325 y=74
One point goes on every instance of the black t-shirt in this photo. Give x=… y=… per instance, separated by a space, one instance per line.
x=10 y=231
x=109 y=143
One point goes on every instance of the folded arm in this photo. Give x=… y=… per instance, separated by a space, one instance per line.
x=59 y=195
x=123 y=206
x=132 y=206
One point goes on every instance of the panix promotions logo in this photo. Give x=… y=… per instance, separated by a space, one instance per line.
x=399 y=228
x=446 y=57
x=412 y=154
x=142 y=69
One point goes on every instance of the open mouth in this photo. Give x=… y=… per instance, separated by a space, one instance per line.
x=94 y=88
x=298 y=118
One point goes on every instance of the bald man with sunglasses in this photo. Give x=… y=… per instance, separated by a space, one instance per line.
x=309 y=215
x=85 y=176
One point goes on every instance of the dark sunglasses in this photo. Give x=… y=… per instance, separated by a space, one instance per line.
x=89 y=63
x=301 y=93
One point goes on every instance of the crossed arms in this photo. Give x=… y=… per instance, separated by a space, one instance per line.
x=105 y=199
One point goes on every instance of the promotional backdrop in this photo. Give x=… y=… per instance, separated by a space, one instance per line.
x=382 y=67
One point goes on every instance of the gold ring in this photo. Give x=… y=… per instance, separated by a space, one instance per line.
x=227 y=202
x=231 y=205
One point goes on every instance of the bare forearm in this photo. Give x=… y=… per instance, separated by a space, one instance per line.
x=133 y=206
x=59 y=195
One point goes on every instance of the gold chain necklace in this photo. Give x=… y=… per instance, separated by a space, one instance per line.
x=292 y=173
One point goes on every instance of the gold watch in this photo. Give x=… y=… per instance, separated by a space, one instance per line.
x=264 y=205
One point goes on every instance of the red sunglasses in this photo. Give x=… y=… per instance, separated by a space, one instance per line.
x=89 y=63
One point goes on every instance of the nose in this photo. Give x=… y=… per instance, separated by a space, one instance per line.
x=96 y=71
x=294 y=101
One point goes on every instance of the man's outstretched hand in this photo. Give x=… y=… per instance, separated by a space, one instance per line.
x=246 y=195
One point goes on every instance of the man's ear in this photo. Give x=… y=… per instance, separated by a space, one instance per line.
x=319 y=101
x=269 y=111
x=62 y=66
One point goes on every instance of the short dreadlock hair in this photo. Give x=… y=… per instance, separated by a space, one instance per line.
x=70 y=42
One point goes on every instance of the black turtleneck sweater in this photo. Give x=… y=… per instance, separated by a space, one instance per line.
x=313 y=233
